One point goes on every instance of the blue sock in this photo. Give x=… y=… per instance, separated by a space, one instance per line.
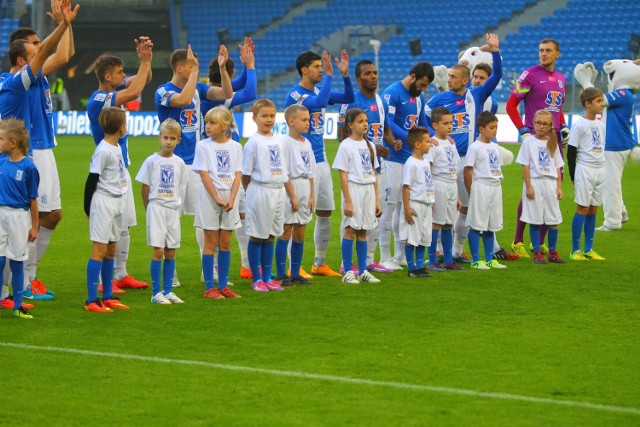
x=207 y=271
x=297 y=249
x=552 y=237
x=155 y=268
x=347 y=254
x=589 y=231
x=433 y=248
x=446 y=237
x=167 y=275
x=576 y=231
x=107 y=277
x=17 y=281
x=420 y=257
x=254 y=253
x=534 y=234
x=474 y=244
x=409 y=253
x=224 y=265
x=93 y=277
x=487 y=240
x=361 y=254
x=281 y=257
x=267 y=260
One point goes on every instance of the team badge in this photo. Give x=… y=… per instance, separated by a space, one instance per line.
x=223 y=161
x=167 y=176
x=19 y=175
x=544 y=160
x=274 y=156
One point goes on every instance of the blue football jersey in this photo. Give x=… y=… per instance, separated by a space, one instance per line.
x=618 y=119
x=98 y=101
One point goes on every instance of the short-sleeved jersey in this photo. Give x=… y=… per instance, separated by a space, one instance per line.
x=588 y=138
x=220 y=159
x=485 y=160
x=618 y=119
x=167 y=178
x=465 y=108
x=445 y=158
x=300 y=158
x=376 y=110
x=14 y=95
x=41 y=134
x=405 y=111
x=107 y=162
x=265 y=160
x=416 y=174
x=541 y=90
x=316 y=100
x=98 y=101
x=189 y=117
x=354 y=158
x=534 y=153
x=18 y=183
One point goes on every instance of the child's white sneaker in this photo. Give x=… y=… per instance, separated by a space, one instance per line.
x=173 y=298
x=159 y=298
x=350 y=277
x=368 y=277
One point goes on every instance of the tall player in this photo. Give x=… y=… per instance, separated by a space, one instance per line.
x=115 y=90
x=379 y=131
x=541 y=87
x=465 y=105
x=180 y=99
x=310 y=67
x=24 y=94
x=406 y=110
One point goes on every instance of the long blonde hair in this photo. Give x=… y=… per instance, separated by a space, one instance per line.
x=552 y=141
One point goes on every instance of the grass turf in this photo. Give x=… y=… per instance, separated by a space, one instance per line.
x=562 y=332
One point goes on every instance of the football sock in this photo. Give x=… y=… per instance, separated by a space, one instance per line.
x=93 y=277
x=409 y=253
x=254 y=251
x=122 y=254
x=243 y=242
x=17 y=271
x=207 y=271
x=398 y=246
x=433 y=248
x=107 y=278
x=487 y=240
x=297 y=249
x=474 y=244
x=266 y=258
x=534 y=234
x=577 y=225
x=420 y=256
x=520 y=226
x=372 y=243
x=347 y=254
x=589 y=231
x=155 y=268
x=281 y=257
x=384 y=238
x=361 y=254
x=167 y=274
x=224 y=265
x=460 y=231
x=553 y=238
x=321 y=234
x=446 y=236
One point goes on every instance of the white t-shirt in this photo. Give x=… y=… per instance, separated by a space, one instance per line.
x=416 y=174
x=445 y=160
x=167 y=178
x=221 y=159
x=265 y=160
x=300 y=158
x=485 y=160
x=354 y=157
x=107 y=161
x=588 y=138
x=534 y=153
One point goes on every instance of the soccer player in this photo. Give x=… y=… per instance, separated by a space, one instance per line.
x=180 y=99
x=465 y=105
x=371 y=103
x=406 y=110
x=541 y=87
x=310 y=68
x=115 y=90
x=26 y=96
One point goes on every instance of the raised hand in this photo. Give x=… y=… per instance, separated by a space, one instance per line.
x=326 y=63
x=223 y=56
x=343 y=63
x=191 y=58
x=493 y=42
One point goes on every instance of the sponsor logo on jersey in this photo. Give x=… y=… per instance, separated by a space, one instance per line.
x=375 y=133
x=188 y=120
x=295 y=95
x=461 y=122
x=387 y=97
x=317 y=123
x=412 y=100
x=621 y=92
x=459 y=102
x=373 y=107
x=410 y=121
x=100 y=97
x=554 y=99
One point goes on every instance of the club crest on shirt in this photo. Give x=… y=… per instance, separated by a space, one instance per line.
x=365 y=160
x=494 y=162
x=451 y=158
x=596 y=140
x=223 y=163
x=544 y=160
x=274 y=156
x=167 y=176
x=306 y=159
x=427 y=178
x=19 y=175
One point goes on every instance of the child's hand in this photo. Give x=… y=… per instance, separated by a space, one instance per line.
x=229 y=204
x=530 y=194
x=378 y=209
x=33 y=234
x=219 y=201
x=408 y=215
x=458 y=204
x=312 y=204
x=348 y=209
x=294 y=204
x=559 y=193
x=433 y=141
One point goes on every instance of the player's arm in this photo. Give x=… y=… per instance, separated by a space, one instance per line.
x=496 y=75
x=141 y=41
x=61 y=13
x=347 y=96
x=144 y=190
x=185 y=97
x=468 y=178
x=249 y=89
x=136 y=83
x=559 y=183
x=514 y=115
x=225 y=91
x=398 y=132
x=89 y=188
x=65 y=48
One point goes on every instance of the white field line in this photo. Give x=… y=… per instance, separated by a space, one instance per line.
x=333 y=378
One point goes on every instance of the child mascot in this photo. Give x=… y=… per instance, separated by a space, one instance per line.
x=624 y=80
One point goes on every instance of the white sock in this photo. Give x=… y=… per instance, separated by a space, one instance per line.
x=372 y=243
x=243 y=242
x=384 y=239
x=31 y=265
x=398 y=246
x=460 y=231
x=122 y=254
x=6 y=281
x=200 y=239
x=42 y=243
x=496 y=245
x=321 y=235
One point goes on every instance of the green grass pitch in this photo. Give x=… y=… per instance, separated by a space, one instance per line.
x=530 y=345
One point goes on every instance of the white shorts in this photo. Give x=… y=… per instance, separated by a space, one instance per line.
x=462 y=190
x=588 y=184
x=264 y=210
x=364 y=207
x=163 y=226
x=105 y=219
x=14 y=233
x=325 y=200
x=418 y=233
x=192 y=195
x=129 y=218
x=485 y=206
x=545 y=206
x=49 y=198
x=241 y=197
x=393 y=190
x=445 y=210
x=302 y=216
x=211 y=216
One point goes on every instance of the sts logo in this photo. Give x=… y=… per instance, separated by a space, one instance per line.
x=554 y=100
x=410 y=121
x=317 y=123
x=189 y=120
x=375 y=133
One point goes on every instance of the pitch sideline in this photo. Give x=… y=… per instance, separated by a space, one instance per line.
x=332 y=378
